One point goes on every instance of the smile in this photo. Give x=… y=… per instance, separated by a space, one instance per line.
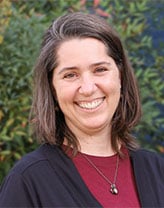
x=91 y=105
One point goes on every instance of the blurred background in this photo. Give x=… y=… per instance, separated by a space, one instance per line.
x=22 y=24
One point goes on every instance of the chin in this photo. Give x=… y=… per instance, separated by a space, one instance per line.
x=95 y=127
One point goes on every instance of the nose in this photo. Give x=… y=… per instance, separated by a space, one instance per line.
x=87 y=85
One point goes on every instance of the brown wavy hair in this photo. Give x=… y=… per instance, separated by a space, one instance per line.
x=47 y=118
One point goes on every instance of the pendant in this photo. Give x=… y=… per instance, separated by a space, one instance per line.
x=113 y=189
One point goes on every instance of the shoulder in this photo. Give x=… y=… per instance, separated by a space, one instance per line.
x=31 y=177
x=146 y=154
x=34 y=160
x=34 y=167
x=148 y=159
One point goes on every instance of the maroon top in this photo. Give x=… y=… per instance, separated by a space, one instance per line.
x=100 y=188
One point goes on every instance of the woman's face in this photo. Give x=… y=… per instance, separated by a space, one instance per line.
x=87 y=85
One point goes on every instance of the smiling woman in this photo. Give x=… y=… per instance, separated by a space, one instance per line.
x=69 y=38
x=86 y=103
x=91 y=99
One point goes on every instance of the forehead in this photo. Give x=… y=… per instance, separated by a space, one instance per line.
x=81 y=48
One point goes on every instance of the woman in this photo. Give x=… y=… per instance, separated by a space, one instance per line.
x=86 y=103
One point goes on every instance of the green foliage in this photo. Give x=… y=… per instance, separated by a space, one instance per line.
x=18 y=52
x=130 y=21
x=5 y=13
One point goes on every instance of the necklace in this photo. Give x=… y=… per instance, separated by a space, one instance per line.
x=113 y=188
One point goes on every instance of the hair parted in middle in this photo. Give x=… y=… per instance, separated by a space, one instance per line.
x=48 y=119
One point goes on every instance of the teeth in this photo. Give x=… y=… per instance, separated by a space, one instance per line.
x=90 y=105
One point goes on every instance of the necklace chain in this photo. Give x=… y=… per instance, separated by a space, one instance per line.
x=113 y=188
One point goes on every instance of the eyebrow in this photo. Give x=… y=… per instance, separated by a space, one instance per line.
x=91 y=66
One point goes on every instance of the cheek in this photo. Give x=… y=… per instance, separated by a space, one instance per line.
x=64 y=95
x=115 y=89
x=112 y=85
x=117 y=82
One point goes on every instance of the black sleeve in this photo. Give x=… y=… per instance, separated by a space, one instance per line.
x=15 y=192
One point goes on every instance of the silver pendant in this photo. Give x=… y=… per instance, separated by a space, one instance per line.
x=113 y=189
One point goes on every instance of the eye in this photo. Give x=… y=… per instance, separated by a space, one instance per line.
x=101 y=69
x=70 y=75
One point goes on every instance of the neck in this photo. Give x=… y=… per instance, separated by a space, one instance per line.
x=96 y=146
x=97 y=143
x=93 y=141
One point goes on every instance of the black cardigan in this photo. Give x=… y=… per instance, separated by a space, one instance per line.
x=48 y=178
